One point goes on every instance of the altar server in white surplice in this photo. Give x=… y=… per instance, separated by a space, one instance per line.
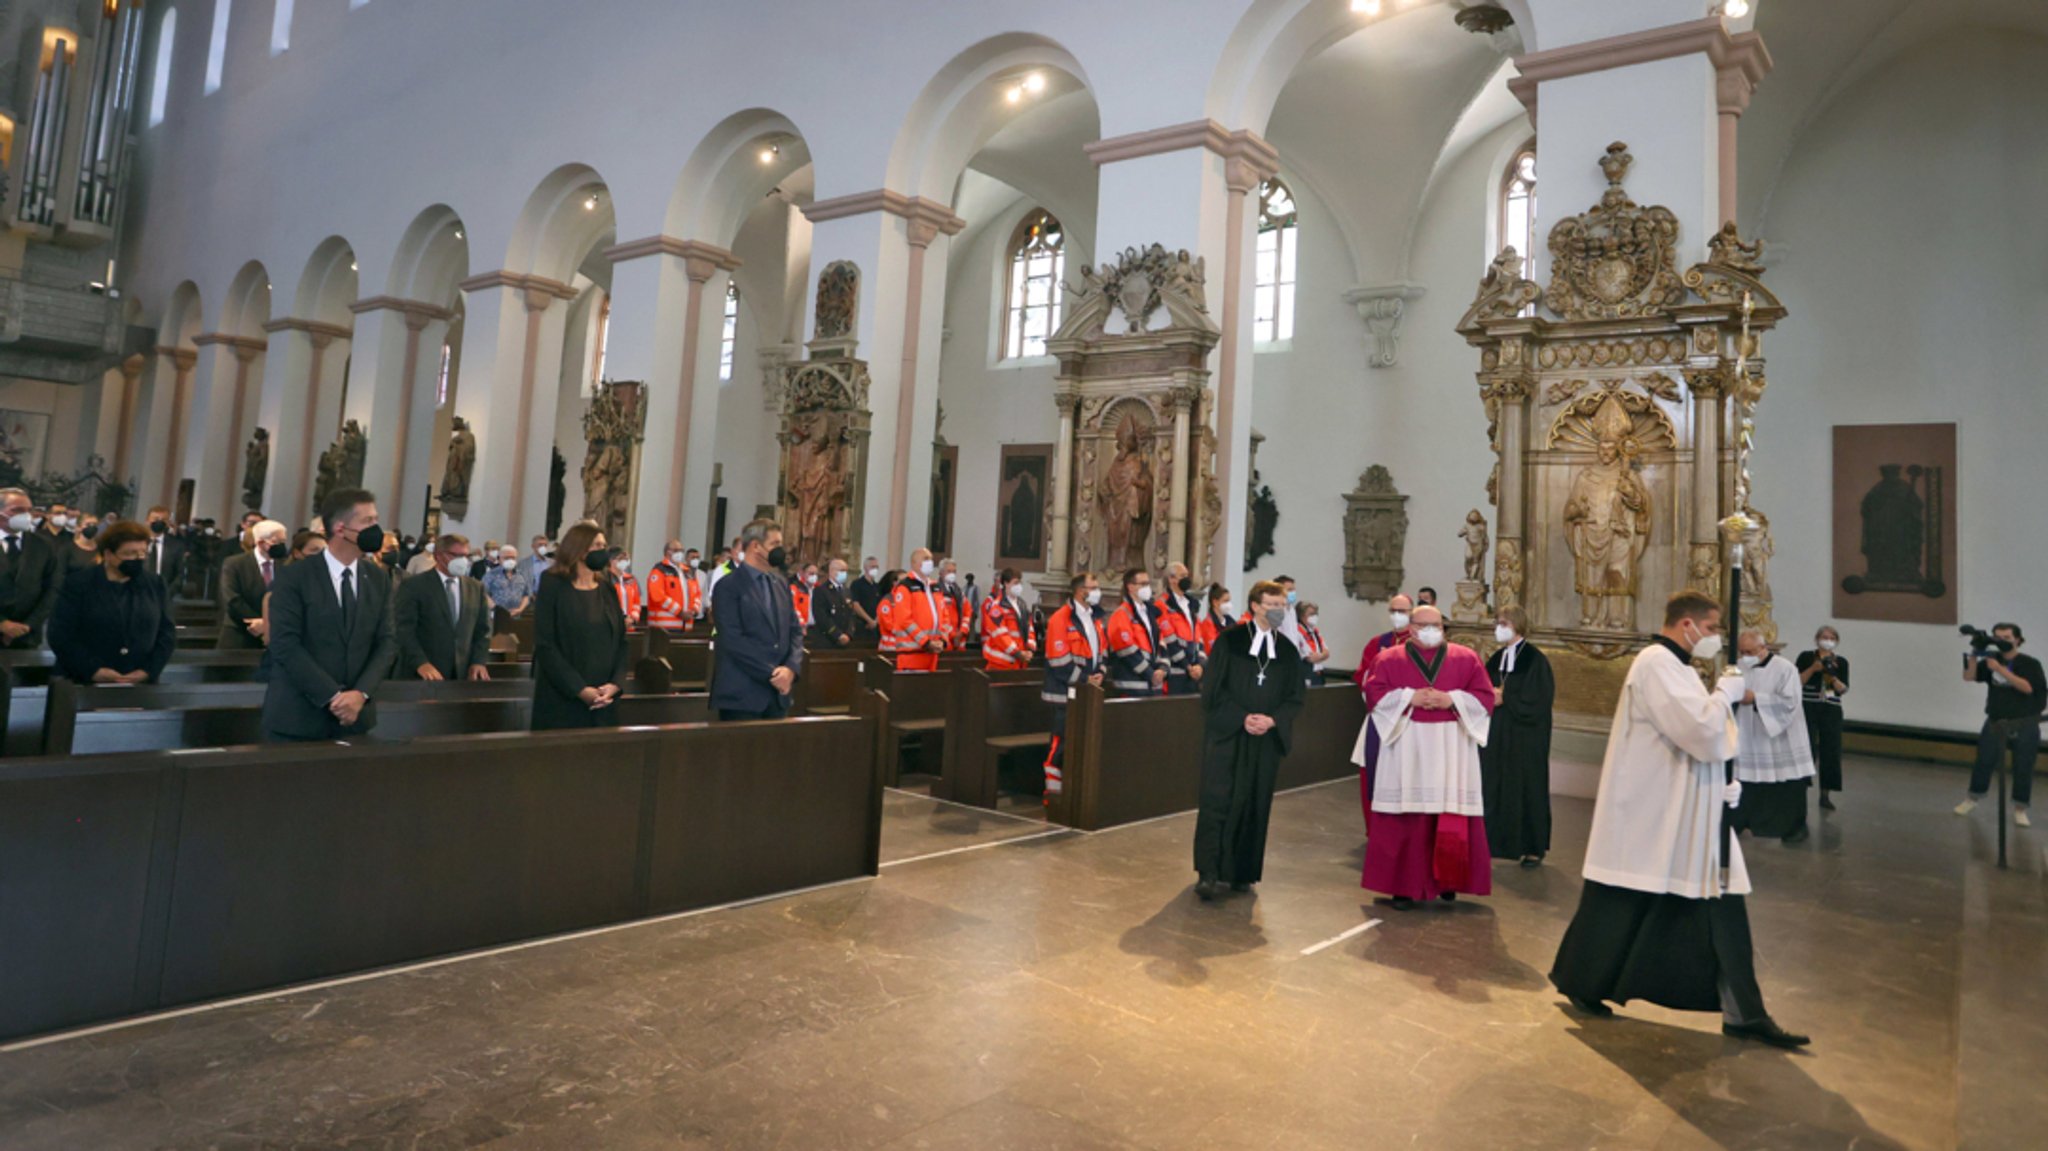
x=1773 y=759
x=1662 y=915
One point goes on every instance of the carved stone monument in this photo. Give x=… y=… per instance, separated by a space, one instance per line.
x=824 y=428
x=1472 y=606
x=341 y=465
x=1262 y=511
x=1133 y=469
x=1375 y=536
x=256 y=469
x=456 y=473
x=613 y=426
x=1616 y=403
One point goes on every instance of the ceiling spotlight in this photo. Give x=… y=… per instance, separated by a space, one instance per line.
x=1014 y=96
x=769 y=153
x=1366 y=7
x=590 y=204
x=458 y=234
x=1035 y=83
x=1735 y=9
x=352 y=266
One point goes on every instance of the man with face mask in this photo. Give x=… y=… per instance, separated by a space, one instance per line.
x=1178 y=620
x=831 y=618
x=244 y=580
x=443 y=618
x=627 y=586
x=1662 y=915
x=1400 y=609
x=1773 y=758
x=956 y=597
x=921 y=617
x=1008 y=640
x=31 y=574
x=1431 y=703
x=760 y=645
x=672 y=593
x=865 y=598
x=1074 y=654
x=1251 y=692
x=1135 y=665
x=166 y=559
x=331 y=641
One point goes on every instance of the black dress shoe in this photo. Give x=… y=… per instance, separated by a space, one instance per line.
x=1592 y=1007
x=1450 y=897
x=1401 y=903
x=1207 y=889
x=1532 y=861
x=1765 y=1031
x=1826 y=804
x=1800 y=836
x=1240 y=887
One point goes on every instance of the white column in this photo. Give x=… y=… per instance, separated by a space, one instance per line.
x=510 y=406
x=391 y=394
x=301 y=406
x=224 y=412
x=119 y=396
x=1191 y=187
x=161 y=426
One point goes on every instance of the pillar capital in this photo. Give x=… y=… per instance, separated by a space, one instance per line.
x=183 y=359
x=521 y=282
x=417 y=313
x=243 y=348
x=700 y=260
x=927 y=216
x=1248 y=152
x=1740 y=59
x=131 y=368
x=320 y=333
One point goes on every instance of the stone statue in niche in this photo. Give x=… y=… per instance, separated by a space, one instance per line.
x=456 y=473
x=1607 y=524
x=1127 y=490
x=255 y=469
x=1474 y=535
x=341 y=465
x=558 y=491
x=817 y=485
x=1263 y=512
x=611 y=430
x=1375 y=536
x=838 y=300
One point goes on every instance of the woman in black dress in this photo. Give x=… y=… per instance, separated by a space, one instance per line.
x=1824 y=680
x=1514 y=766
x=113 y=621
x=579 y=637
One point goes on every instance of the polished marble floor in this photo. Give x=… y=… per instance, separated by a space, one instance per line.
x=1048 y=990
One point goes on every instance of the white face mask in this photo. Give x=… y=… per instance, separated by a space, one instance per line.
x=952 y=578
x=623 y=565
x=839 y=578
x=1312 y=620
x=459 y=567
x=811 y=579
x=509 y=562
x=1502 y=633
x=61 y=521
x=675 y=560
x=1827 y=645
x=430 y=547
x=1014 y=589
x=21 y=522
x=1400 y=620
x=1223 y=610
x=1094 y=596
x=1747 y=662
x=1145 y=593
x=926 y=568
x=874 y=573
x=1707 y=647
x=1429 y=637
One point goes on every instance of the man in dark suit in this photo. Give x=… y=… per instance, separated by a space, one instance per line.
x=331 y=643
x=760 y=646
x=832 y=622
x=31 y=573
x=442 y=619
x=244 y=581
x=166 y=551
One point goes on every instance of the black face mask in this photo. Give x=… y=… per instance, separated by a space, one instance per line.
x=159 y=526
x=370 y=540
x=130 y=568
x=278 y=551
x=598 y=560
x=1185 y=584
x=777 y=557
x=91 y=531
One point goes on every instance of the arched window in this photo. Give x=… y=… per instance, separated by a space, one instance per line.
x=1279 y=243
x=217 y=47
x=1038 y=269
x=441 y=379
x=729 y=335
x=1518 y=204
x=160 y=78
x=604 y=339
x=281 y=27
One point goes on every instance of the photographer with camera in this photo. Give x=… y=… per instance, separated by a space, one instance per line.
x=2012 y=711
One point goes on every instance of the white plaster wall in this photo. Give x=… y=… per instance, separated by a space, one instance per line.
x=70 y=436
x=1916 y=238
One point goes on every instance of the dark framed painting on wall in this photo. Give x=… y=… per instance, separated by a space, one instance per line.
x=1895 y=523
x=1023 y=485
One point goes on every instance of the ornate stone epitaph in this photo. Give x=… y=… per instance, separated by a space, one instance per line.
x=613 y=426
x=824 y=439
x=838 y=300
x=1375 y=536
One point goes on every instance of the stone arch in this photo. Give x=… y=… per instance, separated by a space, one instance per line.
x=746 y=156
x=568 y=215
x=245 y=307
x=308 y=366
x=960 y=110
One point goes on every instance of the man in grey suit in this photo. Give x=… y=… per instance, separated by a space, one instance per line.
x=442 y=619
x=760 y=642
x=245 y=580
x=331 y=643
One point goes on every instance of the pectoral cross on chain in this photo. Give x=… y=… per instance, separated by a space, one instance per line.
x=1262 y=677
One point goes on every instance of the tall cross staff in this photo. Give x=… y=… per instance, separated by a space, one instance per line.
x=1736 y=527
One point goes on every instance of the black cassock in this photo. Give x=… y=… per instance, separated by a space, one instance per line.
x=1514 y=766
x=1238 y=768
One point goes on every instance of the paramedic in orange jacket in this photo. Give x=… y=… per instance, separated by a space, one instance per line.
x=921 y=620
x=1008 y=640
x=1074 y=651
x=674 y=600
x=1135 y=663
x=1176 y=616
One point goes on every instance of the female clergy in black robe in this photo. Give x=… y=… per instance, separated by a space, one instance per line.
x=1239 y=768
x=1514 y=766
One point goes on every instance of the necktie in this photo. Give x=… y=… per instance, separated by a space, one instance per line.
x=348 y=602
x=454 y=602
x=14 y=545
x=266 y=573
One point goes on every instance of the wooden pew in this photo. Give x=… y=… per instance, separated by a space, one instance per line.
x=140 y=882
x=992 y=713
x=1133 y=759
